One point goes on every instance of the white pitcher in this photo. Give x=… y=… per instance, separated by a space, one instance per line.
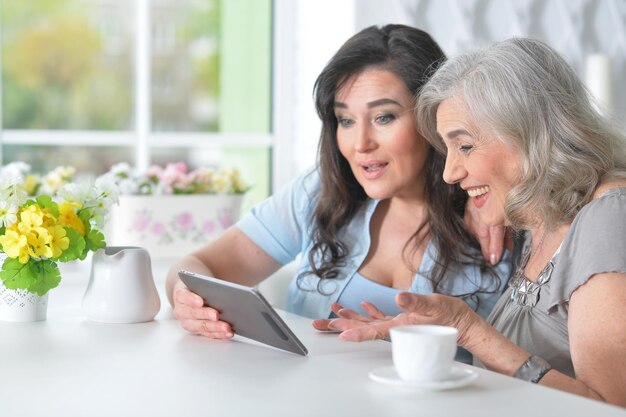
x=121 y=287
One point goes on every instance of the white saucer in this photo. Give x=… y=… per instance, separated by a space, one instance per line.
x=459 y=377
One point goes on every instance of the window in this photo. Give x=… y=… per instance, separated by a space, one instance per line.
x=90 y=83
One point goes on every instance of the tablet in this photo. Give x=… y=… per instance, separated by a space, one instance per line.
x=247 y=311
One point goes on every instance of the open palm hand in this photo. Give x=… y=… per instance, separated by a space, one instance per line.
x=420 y=309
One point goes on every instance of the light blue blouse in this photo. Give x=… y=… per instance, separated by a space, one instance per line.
x=282 y=227
x=361 y=289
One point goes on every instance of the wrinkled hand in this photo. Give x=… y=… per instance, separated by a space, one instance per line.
x=194 y=317
x=420 y=309
x=491 y=238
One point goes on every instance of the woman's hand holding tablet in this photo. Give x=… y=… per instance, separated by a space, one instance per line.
x=233 y=308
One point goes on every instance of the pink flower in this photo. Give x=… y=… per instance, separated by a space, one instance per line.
x=185 y=221
x=174 y=176
x=154 y=171
x=208 y=227
x=158 y=228
x=226 y=220
x=178 y=166
x=141 y=222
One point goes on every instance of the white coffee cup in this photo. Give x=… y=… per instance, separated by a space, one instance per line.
x=423 y=352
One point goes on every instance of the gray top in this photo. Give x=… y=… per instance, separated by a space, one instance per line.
x=534 y=315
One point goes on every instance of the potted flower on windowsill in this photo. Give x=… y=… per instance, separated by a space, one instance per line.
x=171 y=210
x=44 y=221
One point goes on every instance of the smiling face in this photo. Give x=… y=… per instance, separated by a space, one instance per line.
x=376 y=134
x=484 y=166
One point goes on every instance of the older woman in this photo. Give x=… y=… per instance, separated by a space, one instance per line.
x=523 y=140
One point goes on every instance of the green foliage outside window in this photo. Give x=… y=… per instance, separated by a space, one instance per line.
x=70 y=65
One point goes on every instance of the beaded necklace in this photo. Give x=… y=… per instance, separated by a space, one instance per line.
x=524 y=291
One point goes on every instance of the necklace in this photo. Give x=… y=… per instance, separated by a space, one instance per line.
x=523 y=291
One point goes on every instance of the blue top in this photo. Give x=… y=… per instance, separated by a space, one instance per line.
x=361 y=288
x=282 y=227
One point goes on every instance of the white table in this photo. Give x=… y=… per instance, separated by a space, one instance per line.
x=70 y=366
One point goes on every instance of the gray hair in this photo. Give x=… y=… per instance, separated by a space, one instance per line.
x=524 y=92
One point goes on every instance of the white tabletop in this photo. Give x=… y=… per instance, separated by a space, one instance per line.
x=70 y=366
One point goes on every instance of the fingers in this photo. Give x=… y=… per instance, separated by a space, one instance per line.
x=478 y=229
x=212 y=329
x=347 y=313
x=336 y=307
x=321 y=324
x=496 y=243
x=421 y=305
x=182 y=295
x=345 y=324
x=368 y=332
x=420 y=309
x=348 y=318
x=484 y=239
x=407 y=301
x=435 y=309
x=203 y=321
x=372 y=310
x=185 y=312
x=490 y=238
x=194 y=317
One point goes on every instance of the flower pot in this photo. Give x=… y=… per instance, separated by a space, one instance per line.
x=21 y=305
x=170 y=226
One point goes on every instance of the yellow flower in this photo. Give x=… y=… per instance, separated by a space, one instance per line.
x=68 y=217
x=239 y=186
x=220 y=184
x=15 y=245
x=31 y=217
x=58 y=240
x=24 y=256
x=38 y=244
x=30 y=184
x=48 y=219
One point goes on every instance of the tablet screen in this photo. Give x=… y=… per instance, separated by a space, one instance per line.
x=247 y=311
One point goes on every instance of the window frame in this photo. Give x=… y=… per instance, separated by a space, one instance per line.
x=141 y=139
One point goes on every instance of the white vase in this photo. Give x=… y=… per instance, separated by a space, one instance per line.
x=121 y=286
x=21 y=305
x=170 y=226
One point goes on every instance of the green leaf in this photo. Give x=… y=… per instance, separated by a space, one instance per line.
x=75 y=249
x=85 y=216
x=45 y=202
x=95 y=240
x=37 y=277
x=47 y=275
x=17 y=276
